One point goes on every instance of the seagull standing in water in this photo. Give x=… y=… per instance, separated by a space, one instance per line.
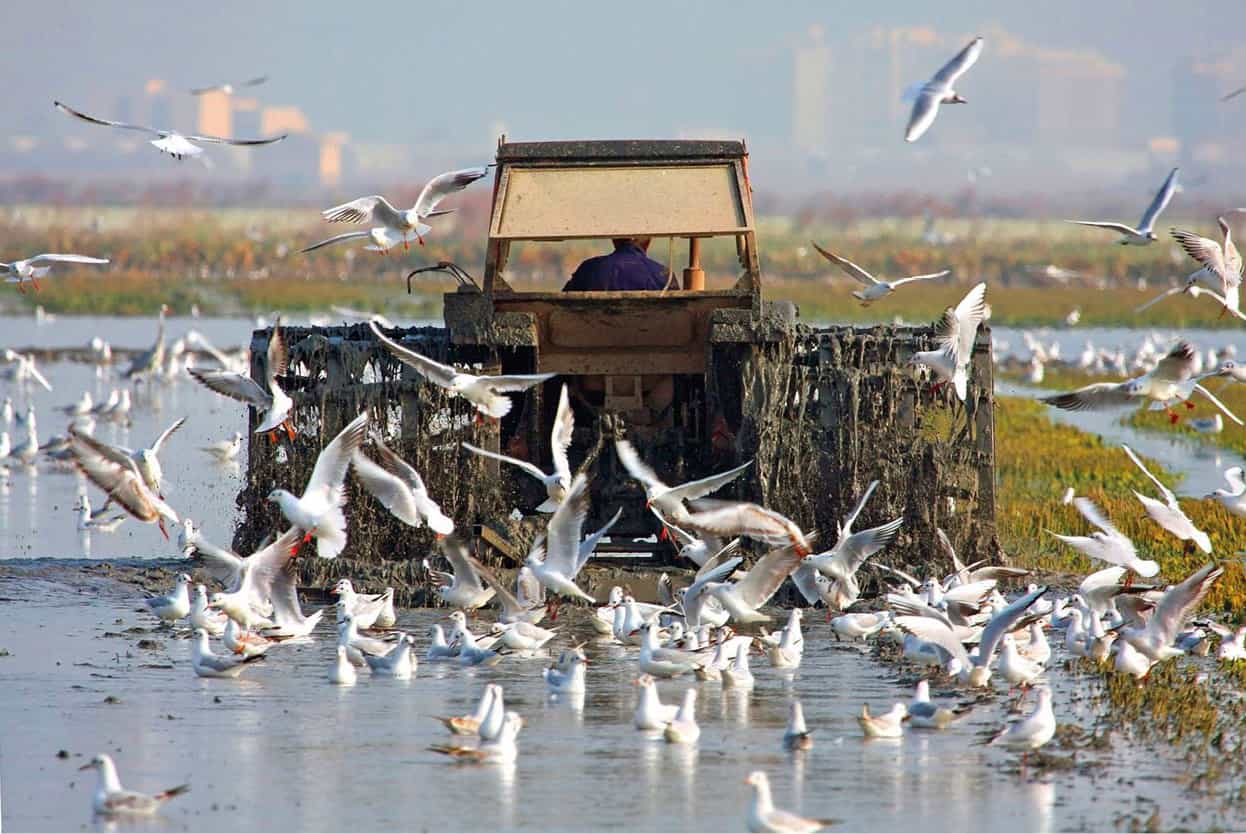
x=764 y=817
x=177 y=145
x=874 y=287
x=112 y=800
x=927 y=96
x=1145 y=233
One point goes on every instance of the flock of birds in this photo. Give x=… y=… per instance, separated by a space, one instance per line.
x=957 y=623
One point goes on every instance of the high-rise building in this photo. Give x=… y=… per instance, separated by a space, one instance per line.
x=811 y=78
x=216 y=114
x=331 y=145
x=287 y=119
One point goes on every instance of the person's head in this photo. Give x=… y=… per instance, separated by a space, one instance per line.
x=642 y=243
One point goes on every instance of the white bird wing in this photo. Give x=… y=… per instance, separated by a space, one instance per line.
x=957 y=67
x=848 y=267
x=1005 y=621
x=945 y=544
x=712 y=562
x=53 y=257
x=636 y=467
x=277 y=354
x=265 y=566
x=971 y=593
x=229 y=140
x=902 y=281
x=434 y=372
x=960 y=326
x=1180 y=599
x=122 y=482
x=693 y=490
x=513 y=382
x=1091 y=512
x=1094 y=396
x=913 y=607
x=1207 y=252
x=1234 y=477
x=443 y=185
x=222 y=564
x=250 y=82
x=374 y=209
x=805 y=578
x=1159 y=203
x=561 y=434
x=462 y=563
x=1169 y=497
x=935 y=632
x=342 y=238
x=715 y=574
x=387 y=488
x=1119 y=228
x=766 y=575
x=925 y=109
x=741 y=518
x=564 y=527
x=64 y=108
x=589 y=545
x=1218 y=404
x=159 y=444
x=511 y=606
x=851 y=519
x=235 y=386
x=330 y=470
x=852 y=551
x=1168 y=293
x=530 y=468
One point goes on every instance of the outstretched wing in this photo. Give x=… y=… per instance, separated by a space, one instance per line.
x=1169 y=497
x=1218 y=404
x=530 y=468
x=225 y=140
x=961 y=326
x=374 y=209
x=767 y=574
x=899 y=282
x=434 y=372
x=1177 y=365
x=1159 y=203
x=387 y=488
x=443 y=185
x=278 y=353
x=64 y=108
x=1204 y=250
x=850 y=269
x=159 y=444
x=1095 y=396
x=235 y=386
x=636 y=467
x=334 y=459
x=1119 y=228
x=564 y=527
x=53 y=257
x=956 y=67
x=560 y=436
x=697 y=489
x=514 y=382
x=342 y=238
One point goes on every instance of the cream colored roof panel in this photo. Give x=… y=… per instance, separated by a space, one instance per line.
x=557 y=202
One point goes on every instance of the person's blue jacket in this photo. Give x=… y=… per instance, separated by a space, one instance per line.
x=627 y=268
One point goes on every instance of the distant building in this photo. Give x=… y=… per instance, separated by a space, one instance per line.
x=288 y=119
x=811 y=77
x=331 y=152
x=216 y=114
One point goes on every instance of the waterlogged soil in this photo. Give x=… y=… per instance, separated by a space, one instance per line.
x=87 y=671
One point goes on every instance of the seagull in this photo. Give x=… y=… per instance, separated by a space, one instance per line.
x=501 y=748
x=318 y=511
x=887 y=725
x=398 y=664
x=874 y=288
x=924 y=713
x=201 y=616
x=473 y=651
x=669 y=501
x=1168 y=513
x=841 y=563
x=938 y=90
x=229 y=89
x=112 y=800
x=651 y=713
x=19 y=272
x=563 y=557
x=797 y=735
x=486 y=393
x=267 y=583
x=568 y=674
x=737 y=674
x=1221 y=263
x=171 y=142
x=559 y=481
x=273 y=403
x=1155 y=639
x=514 y=608
x=209 y=665
x=342 y=672
x=764 y=817
x=1017 y=669
x=744 y=597
x=742 y=518
x=859 y=626
x=522 y=636
x=224 y=565
x=465 y=590
x=1234 y=498
x=1108 y=544
x=659 y=662
x=368 y=610
x=105 y=521
x=224 y=451
x=173 y=606
x=396 y=224
x=357 y=645
x=149 y=362
x=1032 y=731
x=956 y=333
x=684 y=729
x=243 y=642
x=400 y=489
x=146 y=461
x=1145 y=233
x=1233 y=94
x=1172 y=379
x=122 y=480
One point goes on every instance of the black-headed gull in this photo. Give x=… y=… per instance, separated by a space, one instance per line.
x=1221 y=263
x=1168 y=513
x=957 y=331
x=522 y=636
x=463 y=588
x=208 y=664
x=667 y=500
x=841 y=563
x=568 y=674
x=745 y=519
x=1232 y=499
x=145 y=460
x=122 y=481
x=861 y=625
x=737 y=674
x=112 y=800
x=924 y=713
x=560 y=560
x=242 y=642
x=1155 y=639
x=659 y=662
x=265 y=578
x=1108 y=544
x=684 y=729
x=764 y=817
x=1017 y=669
x=501 y=748
x=400 y=489
x=342 y=672
x=514 y=609
x=201 y=616
x=272 y=403
x=368 y=610
x=318 y=511
x=874 y=287
x=1145 y=233
x=229 y=88
x=651 y=713
x=744 y=597
x=224 y=451
x=469 y=725
x=399 y=225
x=556 y=483
x=888 y=725
x=399 y=663
x=1032 y=731
x=175 y=605
x=796 y=736
x=176 y=145
x=486 y=393
x=33 y=268
x=938 y=90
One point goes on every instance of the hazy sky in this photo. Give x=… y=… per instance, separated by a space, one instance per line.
x=446 y=72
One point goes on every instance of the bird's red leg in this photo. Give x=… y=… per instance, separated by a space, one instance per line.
x=160 y=523
x=420 y=238
x=21 y=285
x=272 y=437
x=289 y=429
x=35 y=281
x=1189 y=405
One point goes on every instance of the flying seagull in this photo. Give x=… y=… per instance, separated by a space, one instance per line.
x=229 y=89
x=19 y=271
x=1145 y=233
x=874 y=288
x=929 y=95
x=175 y=144
x=957 y=331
